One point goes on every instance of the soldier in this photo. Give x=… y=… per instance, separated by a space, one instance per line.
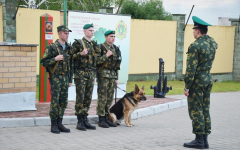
x=85 y=55
x=109 y=64
x=198 y=82
x=58 y=61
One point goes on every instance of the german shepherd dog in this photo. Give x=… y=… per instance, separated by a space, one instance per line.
x=126 y=105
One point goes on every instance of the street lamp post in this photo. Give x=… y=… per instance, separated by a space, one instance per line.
x=65 y=12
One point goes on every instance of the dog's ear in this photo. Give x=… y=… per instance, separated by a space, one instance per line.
x=136 y=89
x=143 y=88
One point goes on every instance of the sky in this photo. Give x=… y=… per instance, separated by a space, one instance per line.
x=207 y=10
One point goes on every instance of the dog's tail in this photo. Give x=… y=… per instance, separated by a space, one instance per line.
x=112 y=117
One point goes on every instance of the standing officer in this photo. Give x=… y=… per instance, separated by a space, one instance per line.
x=58 y=61
x=109 y=64
x=85 y=55
x=198 y=82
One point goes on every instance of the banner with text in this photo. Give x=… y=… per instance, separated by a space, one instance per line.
x=102 y=23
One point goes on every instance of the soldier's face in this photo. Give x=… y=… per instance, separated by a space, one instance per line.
x=89 y=32
x=63 y=35
x=110 y=38
x=195 y=33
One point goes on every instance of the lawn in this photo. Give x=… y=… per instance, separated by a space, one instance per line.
x=178 y=86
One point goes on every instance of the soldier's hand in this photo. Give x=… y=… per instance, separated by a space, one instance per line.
x=109 y=53
x=186 y=93
x=59 y=57
x=70 y=84
x=116 y=82
x=84 y=52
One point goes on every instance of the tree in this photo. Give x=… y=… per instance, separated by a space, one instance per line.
x=82 y=5
x=152 y=10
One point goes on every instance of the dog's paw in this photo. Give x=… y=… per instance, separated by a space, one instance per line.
x=131 y=124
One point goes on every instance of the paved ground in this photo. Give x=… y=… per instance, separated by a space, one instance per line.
x=43 y=108
x=165 y=131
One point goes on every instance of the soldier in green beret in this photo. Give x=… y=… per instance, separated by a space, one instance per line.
x=85 y=56
x=58 y=60
x=109 y=63
x=198 y=82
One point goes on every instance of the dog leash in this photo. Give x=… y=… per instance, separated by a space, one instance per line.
x=121 y=89
x=115 y=94
x=116 y=87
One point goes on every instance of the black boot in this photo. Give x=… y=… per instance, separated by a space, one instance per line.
x=87 y=124
x=54 y=127
x=102 y=123
x=61 y=127
x=80 y=124
x=206 y=141
x=109 y=122
x=198 y=143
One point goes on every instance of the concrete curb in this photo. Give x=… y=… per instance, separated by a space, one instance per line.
x=93 y=119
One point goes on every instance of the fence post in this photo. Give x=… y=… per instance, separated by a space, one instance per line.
x=179 y=45
x=46 y=37
x=236 y=53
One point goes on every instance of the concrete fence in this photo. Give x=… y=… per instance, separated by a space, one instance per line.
x=17 y=76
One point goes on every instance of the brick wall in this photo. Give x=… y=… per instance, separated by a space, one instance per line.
x=17 y=69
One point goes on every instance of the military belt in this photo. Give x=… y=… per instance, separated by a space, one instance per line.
x=60 y=76
x=109 y=69
x=87 y=69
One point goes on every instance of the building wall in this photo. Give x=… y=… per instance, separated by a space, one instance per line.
x=17 y=69
x=1 y=23
x=151 y=40
x=224 y=36
x=28 y=27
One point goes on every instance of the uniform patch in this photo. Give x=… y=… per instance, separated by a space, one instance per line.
x=44 y=55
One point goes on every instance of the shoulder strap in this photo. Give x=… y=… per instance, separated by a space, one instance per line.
x=118 y=52
x=105 y=47
x=105 y=63
x=84 y=47
x=55 y=67
x=101 y=47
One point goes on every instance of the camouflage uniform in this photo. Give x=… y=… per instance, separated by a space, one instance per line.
x=84 y=74
x=107 y=74
x=60 y=79
x=198 y=80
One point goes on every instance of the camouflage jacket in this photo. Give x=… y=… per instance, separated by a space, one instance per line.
x=201 y=54
x=65 y=66
x=109 y=66
x=85 y=66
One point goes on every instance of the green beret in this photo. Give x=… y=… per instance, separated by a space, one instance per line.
x=109 y=32
x=63 y=28
x=199 y=23
x=87 y=26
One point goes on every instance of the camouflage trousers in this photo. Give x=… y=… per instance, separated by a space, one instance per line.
x=105 y=95
x=84 y=89
x=59 y=96
x=198 y=108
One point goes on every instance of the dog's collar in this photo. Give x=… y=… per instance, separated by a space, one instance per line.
x=132 y=100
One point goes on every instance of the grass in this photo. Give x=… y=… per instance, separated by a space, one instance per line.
x=178 y=86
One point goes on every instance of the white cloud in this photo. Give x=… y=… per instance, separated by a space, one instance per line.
x=208 y=10
x=201 y=3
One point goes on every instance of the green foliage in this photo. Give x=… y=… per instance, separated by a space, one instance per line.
x=152 y=10
x=80 y=5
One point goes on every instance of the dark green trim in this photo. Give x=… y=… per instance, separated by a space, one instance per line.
x=149 y=77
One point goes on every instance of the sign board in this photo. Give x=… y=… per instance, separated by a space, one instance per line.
x=103 y=22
